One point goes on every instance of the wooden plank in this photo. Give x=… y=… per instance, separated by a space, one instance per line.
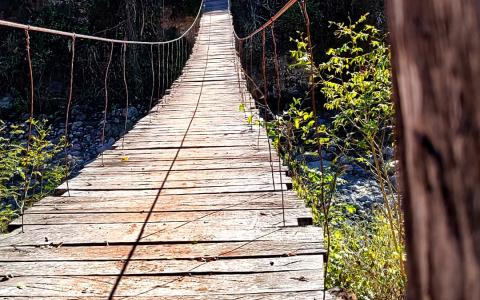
x=256 y=248
x=198 y=266
x=185 y=204
x=262 y=200
x=163 y=286
x=156 y=232
x=232 y=216
x=297 y=295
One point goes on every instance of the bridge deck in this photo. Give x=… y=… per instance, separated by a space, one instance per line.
x=191 y=214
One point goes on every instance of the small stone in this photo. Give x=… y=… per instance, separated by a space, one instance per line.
x=76 y=125
x=6 y=103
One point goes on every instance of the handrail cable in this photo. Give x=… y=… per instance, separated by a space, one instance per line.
x=266 y=108
x=283 y=10
x=96 y=38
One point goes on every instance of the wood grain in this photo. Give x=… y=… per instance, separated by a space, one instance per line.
x=186 y=207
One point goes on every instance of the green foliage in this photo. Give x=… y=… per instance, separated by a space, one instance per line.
x=27 y=172
x=7 y=213
x=356 y=82
x=363 y=260
x=293 y=130
x=366 y=254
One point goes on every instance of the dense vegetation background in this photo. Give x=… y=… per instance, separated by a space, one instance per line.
x=145 y=20
x=250 y=14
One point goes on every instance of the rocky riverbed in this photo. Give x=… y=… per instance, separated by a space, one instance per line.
x=356 y=186
x=85 y=131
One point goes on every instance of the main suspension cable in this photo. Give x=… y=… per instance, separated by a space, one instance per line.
x=96 y=38
x=283 y=10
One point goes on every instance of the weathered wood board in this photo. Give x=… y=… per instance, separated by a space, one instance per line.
x=193 y=203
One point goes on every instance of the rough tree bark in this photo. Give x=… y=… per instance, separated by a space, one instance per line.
x=436 y=58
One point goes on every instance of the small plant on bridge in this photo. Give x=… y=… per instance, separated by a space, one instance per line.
x=27 y=170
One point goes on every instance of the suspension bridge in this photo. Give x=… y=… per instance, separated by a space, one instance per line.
x=192 y=203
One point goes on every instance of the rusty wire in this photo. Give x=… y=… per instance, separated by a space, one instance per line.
x=265 y=100
x=186 y=52
x=70 y=92
x=277 y=68
x=279 y=96
x=30 y=73
x=179 y=56
x=162 y=74
x=264 y=69
x=238 y=67
x=106 y=97
x=174 y=60
x=32 y=93
x=158 y=75
x=124 y=48
x=303 y=6
x=168 y=69
x=262 y=29
x=325 y=206
x=153 y=80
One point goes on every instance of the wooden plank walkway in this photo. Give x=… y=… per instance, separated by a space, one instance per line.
x=192 y=214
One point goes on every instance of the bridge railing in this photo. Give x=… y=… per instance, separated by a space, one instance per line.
x=252 y=51
x=167 y=59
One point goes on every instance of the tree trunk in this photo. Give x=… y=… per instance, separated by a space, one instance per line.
x=436 y=65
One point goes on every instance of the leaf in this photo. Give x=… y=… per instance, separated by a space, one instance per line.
x=125 y=158
x=250 y=119
x=297 y=123
x=350 y=209
x=241 y=107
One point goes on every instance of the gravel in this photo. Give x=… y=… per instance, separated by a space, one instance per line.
x=356 y=186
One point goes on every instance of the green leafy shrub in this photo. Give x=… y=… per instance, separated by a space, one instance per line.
x=366 y=254
x=363 y=260
x=27 y=170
